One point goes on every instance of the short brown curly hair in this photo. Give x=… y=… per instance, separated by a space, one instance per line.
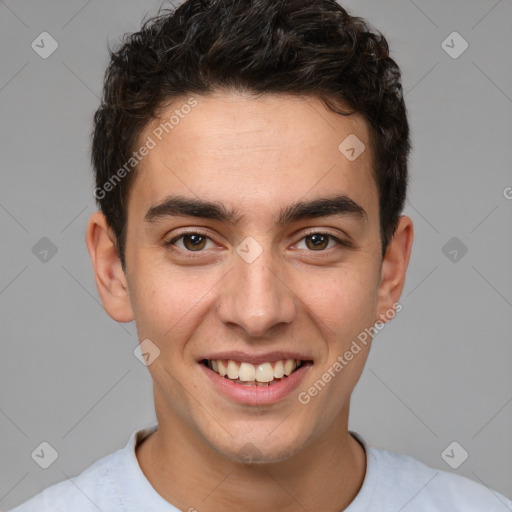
x=301 y=47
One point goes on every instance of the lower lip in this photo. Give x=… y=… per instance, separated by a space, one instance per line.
x=256 y=395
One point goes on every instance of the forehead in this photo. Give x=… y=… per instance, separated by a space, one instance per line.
x=254 y=153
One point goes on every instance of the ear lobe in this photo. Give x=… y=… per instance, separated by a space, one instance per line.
x=394 y=268
x=110 y=277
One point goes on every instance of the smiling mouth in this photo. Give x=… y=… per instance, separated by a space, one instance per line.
x=247 y=374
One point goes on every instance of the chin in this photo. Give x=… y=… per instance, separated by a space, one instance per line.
x=261 y=447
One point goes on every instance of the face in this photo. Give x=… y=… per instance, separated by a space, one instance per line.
x=277 y=269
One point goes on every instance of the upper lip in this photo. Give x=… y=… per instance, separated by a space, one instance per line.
x=245 y=357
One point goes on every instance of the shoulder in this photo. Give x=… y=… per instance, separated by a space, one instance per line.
x=91 y=490
x=416 y=486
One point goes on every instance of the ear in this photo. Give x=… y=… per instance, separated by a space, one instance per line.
x=394 y=268
x=110 y=277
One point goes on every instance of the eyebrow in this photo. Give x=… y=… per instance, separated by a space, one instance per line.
x=173 y=206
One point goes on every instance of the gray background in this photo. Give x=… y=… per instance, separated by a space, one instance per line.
x=439 y=372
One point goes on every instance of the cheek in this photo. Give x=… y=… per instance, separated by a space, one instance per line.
x=169 y=302
x=343 y=303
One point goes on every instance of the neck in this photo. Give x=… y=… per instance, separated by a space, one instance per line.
x=326 y=475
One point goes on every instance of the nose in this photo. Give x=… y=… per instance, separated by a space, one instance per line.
x=255 y=298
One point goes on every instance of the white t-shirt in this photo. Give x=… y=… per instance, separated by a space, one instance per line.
x=393 y=482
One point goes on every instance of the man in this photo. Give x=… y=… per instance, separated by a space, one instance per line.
x=251 y=171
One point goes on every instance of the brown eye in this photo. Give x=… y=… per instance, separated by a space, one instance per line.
x=194 y=242
x=191 y=242
x=317 y=241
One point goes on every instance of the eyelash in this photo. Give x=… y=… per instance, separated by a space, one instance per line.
x=310 y=233
x=181 y=235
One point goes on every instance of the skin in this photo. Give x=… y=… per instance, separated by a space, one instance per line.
x=256 y=155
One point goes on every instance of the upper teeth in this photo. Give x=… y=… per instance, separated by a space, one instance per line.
x=248 y=372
